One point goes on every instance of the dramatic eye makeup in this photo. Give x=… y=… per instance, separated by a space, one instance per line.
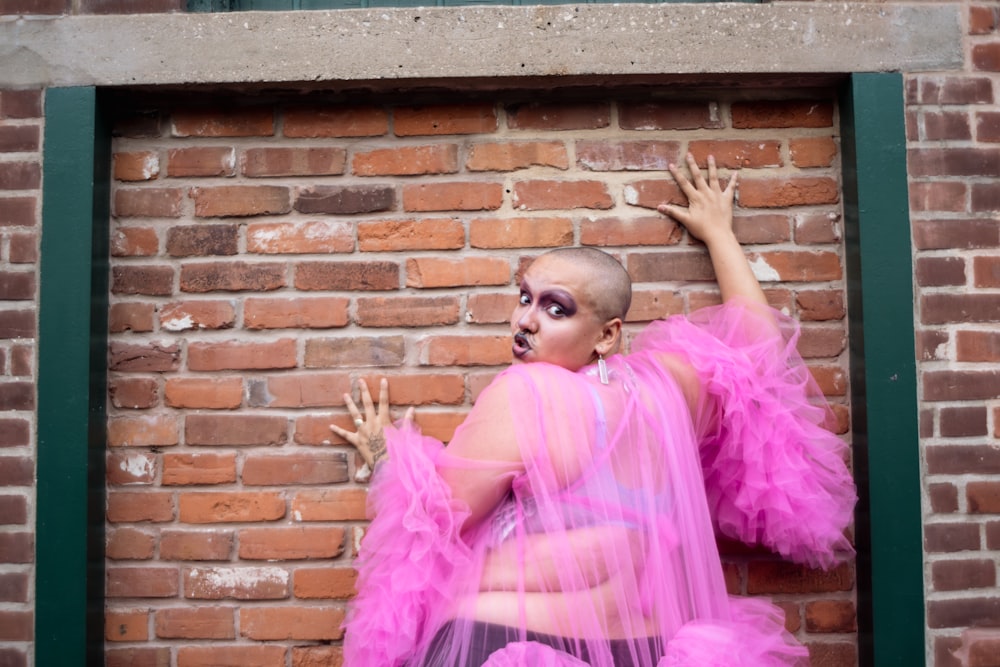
x=555 y=301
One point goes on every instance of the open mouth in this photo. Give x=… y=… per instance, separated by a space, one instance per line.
x=521 y=344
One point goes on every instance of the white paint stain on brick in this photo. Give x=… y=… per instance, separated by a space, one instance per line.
x=631 y=195
x=763 y=271
x=138 y=466
x=178 y=323
x=223 y=579
x=150 y=166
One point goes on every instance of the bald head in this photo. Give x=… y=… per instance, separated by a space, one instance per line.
x=609 y=285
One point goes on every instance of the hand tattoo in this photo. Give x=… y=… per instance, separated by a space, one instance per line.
x=376 y=445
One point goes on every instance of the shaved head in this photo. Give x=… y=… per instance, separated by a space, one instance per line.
x=609 y=287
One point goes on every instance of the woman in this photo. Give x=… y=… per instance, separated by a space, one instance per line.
x=571 y=519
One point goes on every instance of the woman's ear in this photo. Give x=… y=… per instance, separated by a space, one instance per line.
x=610 y=340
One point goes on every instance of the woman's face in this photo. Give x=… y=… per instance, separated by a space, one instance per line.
x=555 y=320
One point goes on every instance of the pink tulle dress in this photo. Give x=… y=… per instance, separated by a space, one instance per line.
x=570 y=522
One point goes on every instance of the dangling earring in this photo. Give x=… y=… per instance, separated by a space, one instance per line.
x=602 y=368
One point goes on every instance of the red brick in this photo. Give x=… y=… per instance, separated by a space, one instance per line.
x=946 y=126
x=440 y=425
x=809 y=152
x=359 y=351
x=13 y=512
x=136 y=166
x=331 y=505
x=943 y=497
x=514 y=155
x=149 y=202
x=229 y=507
x=669 y=116
x=955 y=161
x=540 y=195
x=20 y=175
x=18 y=212
x=17 y=548
x=229 y=122
x=951 y=537
x=782 y=192
x=14 y=432
x=347 y=276
x=126 y=625
x=130 y=467
x=144 y=430
x=736 y=154
x=314 y=468
x=187 y=469
x=762 y=228
x=310 y=237
x=968 y=234
x=16 y=626
x=465 y=350
x=15 y=587
x=130 y=316
x=778 y=577
x=17 y=286
x=984 y=197
x=345 y=199
x=16 y=471
x=135 y=506
x=963 y=612
x=938 y=195
x=831 y=616
x=977 y=345
x=541 y=232
x=22 y=360
x=817 y=228
x=558 y=116
x=237 y=355
x=191 y=545
x=235 y=430
x=652 y=304
x=241 y=200
x=650 y=194
x=142 y=582
x=197 y=315
x=819 y=342
x=218 y=655
x=485 y=308
x=939 y=271
x=988 y=126
x=407 y=161
x=201 y=161
x=616 y=231
x=961 y=89
x=140 y=124
x=336 y=583
x=309 y=161
x=455 y=196
x=986 y=271
x=19 y=138
x=932 y=344
x=432 y=272
x=396 y=235
x=438 y=120
x=26 y=103
x=942 y=308
x=982 y=647
x=782 y=114
x=304 y=313
x=301 y=623
x=299 y=390
x=314 y=429
x=832 y=654
x=145 y=280
x=983 y=497
x=982 y=20
x=135 y=242
x=23 y=247
x=317 y=656
x=238 y=583
x=129 y=544
x=407 y=311
x=195 y=623
x=295 y=543
x=202 y=240
x=961 y=575
x=130 y=6
x=963 y=422
x=17 y=324
x=17 y=657
x=310 y=122
x=604 y=155
x=667 y=266
x=223 y=393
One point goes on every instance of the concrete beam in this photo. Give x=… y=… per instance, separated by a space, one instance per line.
x=477 y=42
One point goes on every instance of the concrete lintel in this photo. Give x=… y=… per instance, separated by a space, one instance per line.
x=478 y=42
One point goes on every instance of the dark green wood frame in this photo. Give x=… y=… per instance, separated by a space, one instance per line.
x=72 y=375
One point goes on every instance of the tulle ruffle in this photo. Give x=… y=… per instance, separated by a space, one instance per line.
x=774 y=474
x=409 y=557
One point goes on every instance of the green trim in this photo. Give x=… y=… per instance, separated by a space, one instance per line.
x=72 y=371
x=883 y=371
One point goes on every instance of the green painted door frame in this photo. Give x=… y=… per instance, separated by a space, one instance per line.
x=72 y=383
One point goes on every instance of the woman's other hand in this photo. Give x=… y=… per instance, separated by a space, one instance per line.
x=370 y=421
x=709 y=213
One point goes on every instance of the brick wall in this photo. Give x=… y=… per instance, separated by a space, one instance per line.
x=20 y=188
x=953 y=130
x=266 y=256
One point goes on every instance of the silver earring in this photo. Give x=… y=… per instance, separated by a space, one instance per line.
x=602 y=369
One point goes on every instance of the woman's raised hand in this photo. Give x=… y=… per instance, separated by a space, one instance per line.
x=710 y=206
x=369 y=439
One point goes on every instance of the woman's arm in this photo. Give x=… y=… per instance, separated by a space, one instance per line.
x=709 y=218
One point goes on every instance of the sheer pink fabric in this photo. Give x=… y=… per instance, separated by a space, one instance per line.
x=579 y=516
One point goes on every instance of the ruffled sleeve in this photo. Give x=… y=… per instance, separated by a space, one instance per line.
x=407 y=557
x=774 y=473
